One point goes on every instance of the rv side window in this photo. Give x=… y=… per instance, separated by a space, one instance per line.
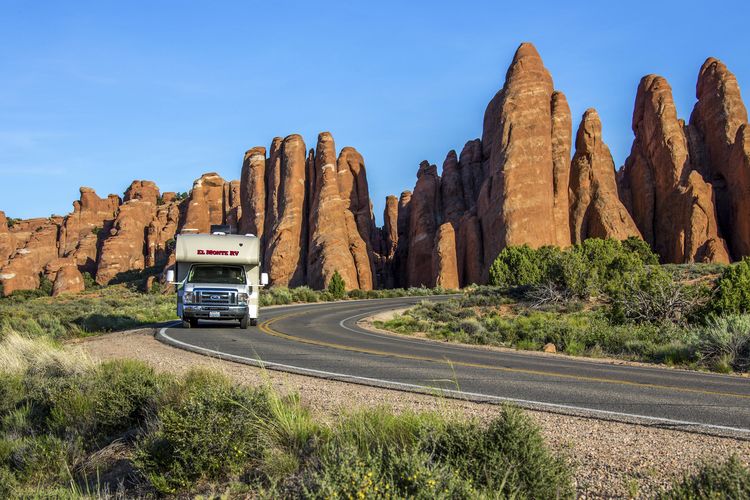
x=228 y=275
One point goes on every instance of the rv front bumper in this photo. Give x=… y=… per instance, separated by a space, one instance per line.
x=214 y=312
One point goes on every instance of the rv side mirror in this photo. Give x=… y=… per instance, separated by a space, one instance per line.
x=263 y=279
x=170 y=276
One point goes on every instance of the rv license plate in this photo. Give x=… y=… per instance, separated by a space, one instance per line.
x=214 y=314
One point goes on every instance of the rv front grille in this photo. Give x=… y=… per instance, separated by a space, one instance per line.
x=216 y=297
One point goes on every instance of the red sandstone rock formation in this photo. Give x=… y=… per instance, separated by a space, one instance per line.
x=595 y=208
x=7 y=241
x=739 y=168
x=469 y=250
x=65 y=277
x=446 y=267
x=232 y=205
x=516 y=203
x=451 y=190
x=670 y=202
x=715 y=122
x=561 y=140
x=273 y=184
x=385 y=255
x=161 y=232
x=206 y=205
x=329 y=236
x=472 y=172
x=423 y=227
x=25 y=268
x=285 y=242
x=390 y=225
x=23 y=230
x=124 y=249
x=516 y=185
x=82 y=230
x=400 y=277
x=142 y=190
x=253 y=192
x=357 y=209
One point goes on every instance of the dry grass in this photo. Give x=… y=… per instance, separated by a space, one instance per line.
x=20 y=354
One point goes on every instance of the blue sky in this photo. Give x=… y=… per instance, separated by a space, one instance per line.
x=101 y=93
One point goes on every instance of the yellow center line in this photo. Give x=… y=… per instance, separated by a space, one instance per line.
x=265 y=327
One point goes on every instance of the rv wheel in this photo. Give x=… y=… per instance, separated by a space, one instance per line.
x=244 y=322
x=253 y=322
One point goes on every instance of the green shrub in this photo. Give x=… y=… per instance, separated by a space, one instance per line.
x=106 y=309
x=40 y=460
x=515 y=266
x=282 y=295
x=45 y=286
x=379 y=454
x=210 y=433
x=401 y=323
x=509 y=457
x=479 y=296
x=573 y=274
x=276 y=296
x=729 y=479
x=655 y=296
x=89 y=283
x=123 y=393
x=705 y=271
x=8 y=483
x=732 y=293
x=724 y=343
x=61 y=425
x=596 y=265
x=609 y=261
x=575 y=332
x=336 y=286
x=471 y=327
x=642 y=249
x=304 y=294
x=385 y=473
x=12 y=391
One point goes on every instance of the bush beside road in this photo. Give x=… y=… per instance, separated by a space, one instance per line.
x=601 y=298
x=123 y=307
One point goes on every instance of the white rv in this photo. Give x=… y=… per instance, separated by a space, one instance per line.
x=218 y=278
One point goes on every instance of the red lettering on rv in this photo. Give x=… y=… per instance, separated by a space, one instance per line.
x=230 y=253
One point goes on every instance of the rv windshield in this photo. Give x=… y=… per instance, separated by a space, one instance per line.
x=229 y=275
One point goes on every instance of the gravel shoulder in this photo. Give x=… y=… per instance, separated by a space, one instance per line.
x=611 y=459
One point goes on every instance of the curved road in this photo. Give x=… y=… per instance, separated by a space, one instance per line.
x=324 y=340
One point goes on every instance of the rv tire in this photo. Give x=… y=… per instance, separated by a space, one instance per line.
x=244 y=322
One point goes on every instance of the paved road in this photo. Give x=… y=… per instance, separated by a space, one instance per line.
x=323 y=340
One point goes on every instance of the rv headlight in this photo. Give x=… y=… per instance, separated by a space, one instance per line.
x=242 y=298
x=187 y=298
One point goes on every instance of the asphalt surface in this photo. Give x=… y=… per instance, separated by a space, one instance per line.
x=324 y=340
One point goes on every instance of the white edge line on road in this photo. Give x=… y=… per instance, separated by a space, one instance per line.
x=464 y=394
